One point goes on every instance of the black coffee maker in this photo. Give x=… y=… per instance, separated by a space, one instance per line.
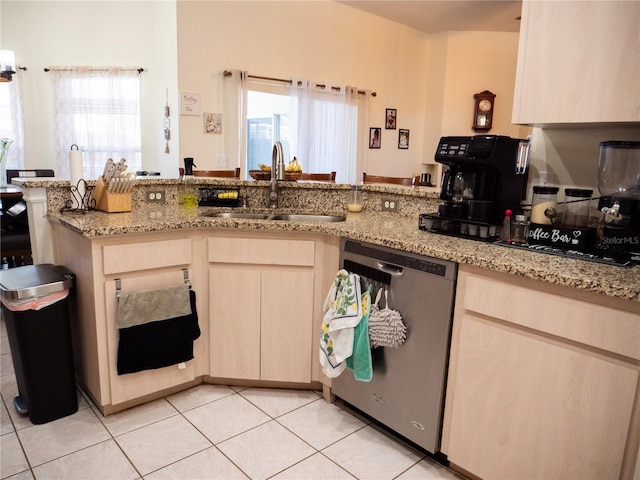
x=486 y=175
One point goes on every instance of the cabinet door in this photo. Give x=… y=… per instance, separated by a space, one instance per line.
x=287 y=318
x=234 y=310
x=523 y=405
x=578 y=63
x=135 y=385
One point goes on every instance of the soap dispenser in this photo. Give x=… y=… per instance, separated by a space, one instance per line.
x=188 y=197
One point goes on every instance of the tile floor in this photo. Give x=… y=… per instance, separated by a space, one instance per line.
x=207 y=432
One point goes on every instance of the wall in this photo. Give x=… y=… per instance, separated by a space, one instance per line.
x=429 y=79
x=96 y=33
x=184 y=46
x=324 y=41
x=461 y=64
x=569 y=156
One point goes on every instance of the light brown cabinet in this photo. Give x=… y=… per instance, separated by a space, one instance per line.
x=541 y=385
x=578 y=62
x=263 y=303
x=140 y=263
x=259 y=301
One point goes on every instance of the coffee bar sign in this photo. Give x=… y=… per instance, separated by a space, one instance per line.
x=566 y=238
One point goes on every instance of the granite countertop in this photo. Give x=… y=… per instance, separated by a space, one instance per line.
x=381 y=228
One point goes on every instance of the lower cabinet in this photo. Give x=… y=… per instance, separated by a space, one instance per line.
x=540 y=385
x=261 y=308
x=139 y=262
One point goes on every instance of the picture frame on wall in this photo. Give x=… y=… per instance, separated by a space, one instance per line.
x=190 y=104
x=403 y=138
x=374 y=137
x=390 y=119
x=212 y=123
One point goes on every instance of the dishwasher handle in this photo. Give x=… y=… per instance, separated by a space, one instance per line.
x=391 y=269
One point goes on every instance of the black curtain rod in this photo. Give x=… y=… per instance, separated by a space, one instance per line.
x=227 y=73
x=47 y=69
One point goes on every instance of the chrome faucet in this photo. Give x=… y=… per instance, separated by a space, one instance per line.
x=277 y=173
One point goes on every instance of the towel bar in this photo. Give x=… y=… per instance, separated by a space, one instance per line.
x=185 y=273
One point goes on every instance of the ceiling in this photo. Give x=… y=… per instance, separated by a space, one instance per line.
x=433 y=16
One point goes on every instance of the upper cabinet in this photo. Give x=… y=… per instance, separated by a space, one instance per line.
x=578 y=63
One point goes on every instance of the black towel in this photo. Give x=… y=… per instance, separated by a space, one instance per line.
x=158 y=344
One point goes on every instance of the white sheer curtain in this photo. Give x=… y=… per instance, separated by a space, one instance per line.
x=12 y=123
x=328 y=128
x=327 y=123
x=98 y=109
x=235 y=117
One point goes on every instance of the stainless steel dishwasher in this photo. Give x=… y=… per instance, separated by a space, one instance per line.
x=406 y=393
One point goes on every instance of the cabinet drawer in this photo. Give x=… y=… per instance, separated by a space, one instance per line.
x=144 y=256
x=262 y=251
x=602 y=327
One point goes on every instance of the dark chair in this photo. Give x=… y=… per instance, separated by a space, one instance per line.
x=409 y=181
x=235 y=173
x=319 y=177
x=15 y=243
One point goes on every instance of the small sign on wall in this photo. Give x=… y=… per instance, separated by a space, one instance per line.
x=189 y=103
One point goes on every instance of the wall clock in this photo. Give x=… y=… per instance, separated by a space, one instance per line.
x=483 y=110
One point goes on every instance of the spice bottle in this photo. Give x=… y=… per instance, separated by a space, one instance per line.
x=519 y=231
x=505 y=232
x=544 y=209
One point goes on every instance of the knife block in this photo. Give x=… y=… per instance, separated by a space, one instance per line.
x=111 y=202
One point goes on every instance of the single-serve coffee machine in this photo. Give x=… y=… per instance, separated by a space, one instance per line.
x=486 y=175
x=619 y=185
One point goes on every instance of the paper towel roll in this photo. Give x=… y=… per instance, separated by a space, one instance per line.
x=75 y=167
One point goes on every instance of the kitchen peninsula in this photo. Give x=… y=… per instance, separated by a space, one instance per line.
x=528 y=327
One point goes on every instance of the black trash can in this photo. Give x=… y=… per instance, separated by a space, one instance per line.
x=37 y=308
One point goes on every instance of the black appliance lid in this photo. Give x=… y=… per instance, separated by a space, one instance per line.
x=578 y=192
x=620 y=144
x=546 y=190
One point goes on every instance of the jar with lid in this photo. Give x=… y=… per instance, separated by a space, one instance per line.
x=577 y=206
x=544 y=208
x=519 y=231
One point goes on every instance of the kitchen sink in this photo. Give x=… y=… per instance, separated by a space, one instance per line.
x=297 y=217
x=248 y=216
x=304 y=217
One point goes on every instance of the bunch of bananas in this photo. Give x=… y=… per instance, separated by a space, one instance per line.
x=293 y=166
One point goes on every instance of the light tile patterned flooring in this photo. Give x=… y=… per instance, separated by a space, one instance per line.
x=207 y=432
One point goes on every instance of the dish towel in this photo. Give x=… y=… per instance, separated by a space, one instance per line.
x=158 y=343
x=343 y=311
x=136 y=308
x=386 y=328
x=360 y=362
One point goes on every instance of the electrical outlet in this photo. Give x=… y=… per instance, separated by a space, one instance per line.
x=221 y=161
x=390 y=204
x=155 y=196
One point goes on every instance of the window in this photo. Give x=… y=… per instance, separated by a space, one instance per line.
x=320 y=125
x=11 y=123
x=268 y=117
x=98 y=110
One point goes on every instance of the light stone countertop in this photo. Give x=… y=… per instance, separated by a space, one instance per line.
x=381 y=228
x=394 y=230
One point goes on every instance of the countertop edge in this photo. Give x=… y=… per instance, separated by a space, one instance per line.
x=390 y=230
